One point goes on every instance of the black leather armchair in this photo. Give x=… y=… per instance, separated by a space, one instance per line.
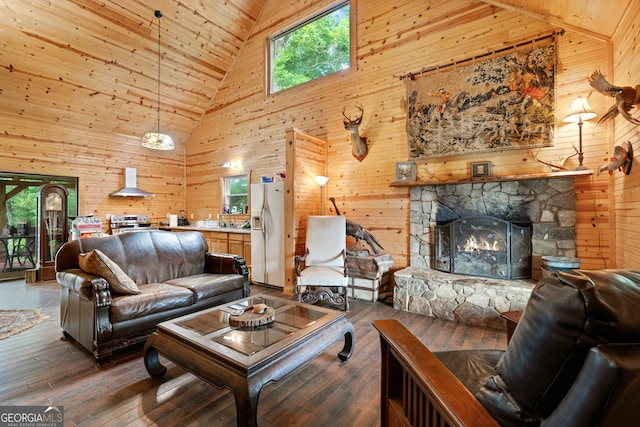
x=573 y=361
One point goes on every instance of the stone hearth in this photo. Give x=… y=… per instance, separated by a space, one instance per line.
x=466 y=299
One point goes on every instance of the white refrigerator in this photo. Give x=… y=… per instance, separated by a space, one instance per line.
x=267 y=233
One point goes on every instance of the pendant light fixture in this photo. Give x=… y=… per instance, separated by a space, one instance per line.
x=157 y=140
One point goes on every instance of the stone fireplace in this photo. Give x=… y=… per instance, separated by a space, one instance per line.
x=484 y=246
x=547 y=204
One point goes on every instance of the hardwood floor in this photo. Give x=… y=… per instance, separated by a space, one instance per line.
x=38 y=368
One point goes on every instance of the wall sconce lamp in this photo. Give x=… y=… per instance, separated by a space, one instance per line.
x=232 y=165
x=578 y=113
x=321 y=180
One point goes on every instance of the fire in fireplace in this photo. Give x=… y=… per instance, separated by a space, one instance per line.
x=484 y=246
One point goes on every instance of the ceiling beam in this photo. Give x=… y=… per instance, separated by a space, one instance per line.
x=551 y=20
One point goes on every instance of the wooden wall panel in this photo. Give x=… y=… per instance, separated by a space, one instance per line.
x=394 y=38
x=625 y=196
x=99 y=165
x=306 y=158
x=78 y=92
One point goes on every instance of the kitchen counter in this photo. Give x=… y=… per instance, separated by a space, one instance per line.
x=203 y=229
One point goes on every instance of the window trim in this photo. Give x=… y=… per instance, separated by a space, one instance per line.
x=301 y=23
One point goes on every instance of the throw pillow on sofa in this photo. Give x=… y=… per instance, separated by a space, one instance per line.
x=96 y=262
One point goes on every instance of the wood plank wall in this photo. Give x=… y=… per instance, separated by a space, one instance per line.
x=97 y=140
x=306 y=158
x=74 y=104
x=393 y=38
x=624 y=193
x=79 y=90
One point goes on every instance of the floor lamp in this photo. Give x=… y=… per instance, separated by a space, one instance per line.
x=578 y=113
x=321 y=180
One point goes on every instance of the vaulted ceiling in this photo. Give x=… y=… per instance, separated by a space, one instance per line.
x=93 y=63
x=599 y=18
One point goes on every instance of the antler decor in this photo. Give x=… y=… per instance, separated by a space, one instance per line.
x=360 y=149
x=556 y=167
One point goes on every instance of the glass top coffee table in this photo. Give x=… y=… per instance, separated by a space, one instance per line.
x=244 y=358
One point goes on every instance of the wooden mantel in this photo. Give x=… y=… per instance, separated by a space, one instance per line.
x=523 y=177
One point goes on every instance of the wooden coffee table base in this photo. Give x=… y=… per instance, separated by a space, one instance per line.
x=245 y=382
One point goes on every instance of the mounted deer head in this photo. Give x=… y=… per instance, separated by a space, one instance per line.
x=359 y=149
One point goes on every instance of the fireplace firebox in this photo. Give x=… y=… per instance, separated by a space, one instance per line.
x=484 y=246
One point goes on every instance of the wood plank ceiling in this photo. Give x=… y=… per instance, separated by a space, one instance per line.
x=94 y=63
x=598 y=18
x=91 y=63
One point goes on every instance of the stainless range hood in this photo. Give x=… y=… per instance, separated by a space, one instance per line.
x=130 y=188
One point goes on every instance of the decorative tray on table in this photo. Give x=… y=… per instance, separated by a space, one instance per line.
x=255 y=315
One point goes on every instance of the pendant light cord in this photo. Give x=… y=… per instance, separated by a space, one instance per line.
x=158 y=15
x=155 y=139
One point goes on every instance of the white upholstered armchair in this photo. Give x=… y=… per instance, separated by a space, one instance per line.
x=323 y=275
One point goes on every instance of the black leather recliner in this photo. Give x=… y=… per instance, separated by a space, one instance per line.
x=573 y=360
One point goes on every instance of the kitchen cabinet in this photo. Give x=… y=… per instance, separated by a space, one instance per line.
x=240 y=244
x=247 y=248
x=218 y=241
x=235 y=244
x=224 y=242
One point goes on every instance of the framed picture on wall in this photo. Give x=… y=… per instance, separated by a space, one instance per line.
x=405 y=171
x=480 y=169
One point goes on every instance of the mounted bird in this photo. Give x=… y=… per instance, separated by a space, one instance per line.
x=626 y=97
x=359 y=233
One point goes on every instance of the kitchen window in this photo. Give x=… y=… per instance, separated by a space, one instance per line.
x=235 y=194
x=311 y=49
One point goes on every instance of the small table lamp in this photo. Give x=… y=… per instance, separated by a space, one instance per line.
x=578 y=113
x=321 y=180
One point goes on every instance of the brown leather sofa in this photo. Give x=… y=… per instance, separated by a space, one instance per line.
x=164 y=274
x=573 y=361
